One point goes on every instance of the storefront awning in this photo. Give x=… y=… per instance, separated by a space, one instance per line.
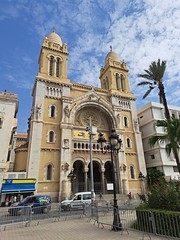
x=18 y=185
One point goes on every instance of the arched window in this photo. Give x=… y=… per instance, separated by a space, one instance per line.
x=49 y=172
x=128 y=142
x=51 y=136
x=132 y=174
x=106 y=83
x=125 y=121
x=123 y=86
x=75 y=145
x=52 y=111
x=51 y=65
x=58 y=62
x=118 y=81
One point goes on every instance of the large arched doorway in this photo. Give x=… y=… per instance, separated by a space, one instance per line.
x=108 y=178
x=97 y=177
x=78 y=183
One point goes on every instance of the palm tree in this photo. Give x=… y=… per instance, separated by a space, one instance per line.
x=154 y=75
x=171 y=137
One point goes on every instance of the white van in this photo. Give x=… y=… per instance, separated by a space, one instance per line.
x=77 y=201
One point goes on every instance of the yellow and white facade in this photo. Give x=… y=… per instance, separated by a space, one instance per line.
x=58 y=140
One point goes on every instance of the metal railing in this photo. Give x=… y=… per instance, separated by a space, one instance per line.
x=163 y=224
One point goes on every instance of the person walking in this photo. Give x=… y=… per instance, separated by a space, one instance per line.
x=100 y=196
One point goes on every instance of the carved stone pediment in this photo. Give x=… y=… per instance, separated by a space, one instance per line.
x=92 y=96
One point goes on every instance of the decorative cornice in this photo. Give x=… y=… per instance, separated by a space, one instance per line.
x=55 y=50
x=52 y=97
x=123 y=97
x=50 y=149
x=21 y=150
x=40 y=79
x=131 y=153
x=88 y=87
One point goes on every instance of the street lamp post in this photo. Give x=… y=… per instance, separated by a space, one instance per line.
x=113 y=147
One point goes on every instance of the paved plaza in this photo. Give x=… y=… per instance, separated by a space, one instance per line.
x=79 y=229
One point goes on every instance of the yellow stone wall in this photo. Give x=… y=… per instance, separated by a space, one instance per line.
x=20 y=161
x=49 y=157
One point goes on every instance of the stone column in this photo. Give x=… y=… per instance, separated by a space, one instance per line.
x=102 y=180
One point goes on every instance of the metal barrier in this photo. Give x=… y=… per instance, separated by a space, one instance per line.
x=148 y=222
x=26 y=215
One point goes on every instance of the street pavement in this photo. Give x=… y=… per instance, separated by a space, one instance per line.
x=79 y=229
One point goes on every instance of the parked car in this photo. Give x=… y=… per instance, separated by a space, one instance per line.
x=34 y=203
x=77 y=202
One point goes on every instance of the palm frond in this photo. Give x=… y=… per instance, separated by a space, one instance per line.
x=159 y=138
x=144 y=83
x=162 y=123
x=146 y=76
x=148 y=92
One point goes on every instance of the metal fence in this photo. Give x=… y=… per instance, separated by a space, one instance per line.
x=163 y=224
x=102 y=213
x=26 y=215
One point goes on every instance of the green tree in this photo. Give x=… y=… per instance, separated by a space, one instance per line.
x=154 y=177
x=154 y=75
x=165 y=196
x=171 y=137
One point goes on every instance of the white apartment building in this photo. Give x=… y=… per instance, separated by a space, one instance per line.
x=156 y=157
x=8 y=126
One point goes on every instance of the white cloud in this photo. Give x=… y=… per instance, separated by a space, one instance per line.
x=140 y=32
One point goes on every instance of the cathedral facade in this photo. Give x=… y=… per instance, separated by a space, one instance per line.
x=59 y=142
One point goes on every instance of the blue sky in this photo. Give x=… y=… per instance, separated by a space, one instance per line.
x=140 y=31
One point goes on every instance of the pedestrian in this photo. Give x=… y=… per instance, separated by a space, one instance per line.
x=100 y=195
x=7 y=201
x=14 y=199
x=129 y=196
x=11 y=200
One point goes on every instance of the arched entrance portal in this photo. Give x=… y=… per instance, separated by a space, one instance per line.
x=104 y=121
x=108 y=178
x=78 y=183
x=82 y=182
x=97 y=177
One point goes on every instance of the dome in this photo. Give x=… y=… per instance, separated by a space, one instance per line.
x=55 y=38
x=113 y=56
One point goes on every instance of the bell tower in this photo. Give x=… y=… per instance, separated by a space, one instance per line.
x=114 y=74
x=53 y=59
